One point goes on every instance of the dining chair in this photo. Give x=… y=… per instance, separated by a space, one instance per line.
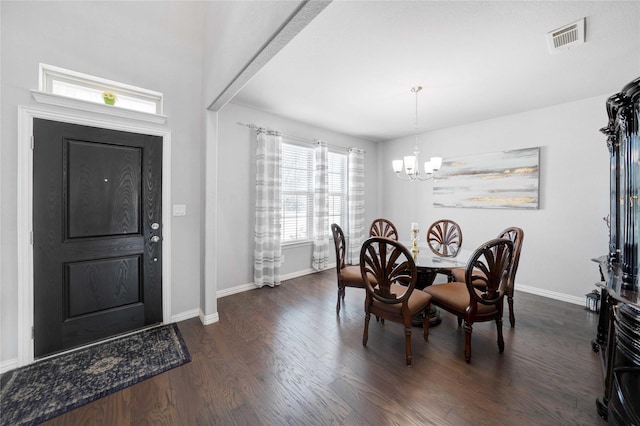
x=348 y=275
x=389 y=274
x=383 y=228
x=481 y=297
x=444 y=238
x=516 y=235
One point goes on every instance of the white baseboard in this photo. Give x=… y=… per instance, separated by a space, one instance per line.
x=237 y=289
x=185 y=315
x=296 y=274
x=251 y=286
x=551 y=294
x=208 y=319
x=7 y=365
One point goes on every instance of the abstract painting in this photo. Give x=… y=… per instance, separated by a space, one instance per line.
x=498 y=180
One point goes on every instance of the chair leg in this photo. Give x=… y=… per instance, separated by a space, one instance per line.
x=512 y=318
x=425 y=325
x=338 y=305
x=500 y=337
x=407 y=342
x=459 y=321
x=365 y=335
x=468 y=328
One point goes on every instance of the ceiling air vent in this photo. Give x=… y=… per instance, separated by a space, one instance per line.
x=566 y=37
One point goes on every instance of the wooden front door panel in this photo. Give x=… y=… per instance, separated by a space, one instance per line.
x=97 y=271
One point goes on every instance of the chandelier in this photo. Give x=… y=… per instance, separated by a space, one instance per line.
x=412 y=162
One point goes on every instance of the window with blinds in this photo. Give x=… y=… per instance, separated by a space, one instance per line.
x=297 y=192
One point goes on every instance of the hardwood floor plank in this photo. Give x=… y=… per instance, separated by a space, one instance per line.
x=281 y=356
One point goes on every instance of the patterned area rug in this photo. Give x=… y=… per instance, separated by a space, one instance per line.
x=48 y=388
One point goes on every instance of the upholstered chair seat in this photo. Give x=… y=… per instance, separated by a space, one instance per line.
x=351 y=274
x=454 y=296
x=417 y=301
x=458 y=274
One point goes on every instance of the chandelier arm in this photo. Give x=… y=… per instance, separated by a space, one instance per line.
x=415 y=176
x=427 y=177
x=403 y=178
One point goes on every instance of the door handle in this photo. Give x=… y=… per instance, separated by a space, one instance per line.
x=155 y=239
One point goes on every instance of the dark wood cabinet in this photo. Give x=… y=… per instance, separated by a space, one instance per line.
x=618 y=335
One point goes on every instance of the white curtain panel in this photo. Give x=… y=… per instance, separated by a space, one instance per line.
x=320 y=256
x=355 y=191
x=268 y=249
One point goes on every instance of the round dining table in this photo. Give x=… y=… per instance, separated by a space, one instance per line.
x=429 y=265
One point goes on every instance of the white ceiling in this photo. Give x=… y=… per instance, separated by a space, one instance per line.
x=351 y=69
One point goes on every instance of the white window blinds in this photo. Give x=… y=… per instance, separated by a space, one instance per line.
x=297 y=193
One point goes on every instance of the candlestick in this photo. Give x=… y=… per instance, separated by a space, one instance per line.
x=415 y=250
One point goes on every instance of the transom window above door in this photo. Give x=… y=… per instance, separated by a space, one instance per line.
x=85 y=87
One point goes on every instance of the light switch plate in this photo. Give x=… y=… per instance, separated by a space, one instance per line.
x=179 y=209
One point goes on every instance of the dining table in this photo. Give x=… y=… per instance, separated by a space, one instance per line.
x=429 y=265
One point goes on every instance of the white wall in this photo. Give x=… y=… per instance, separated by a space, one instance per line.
x=156 y=45
x=236 y=190
x=234 y=33
x=566 y=231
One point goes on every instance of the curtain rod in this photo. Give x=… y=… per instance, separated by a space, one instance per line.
x=301 y=139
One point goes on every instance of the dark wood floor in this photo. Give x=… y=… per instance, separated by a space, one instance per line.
x=282 y=357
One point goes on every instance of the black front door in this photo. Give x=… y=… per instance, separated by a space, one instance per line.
x=97 y=232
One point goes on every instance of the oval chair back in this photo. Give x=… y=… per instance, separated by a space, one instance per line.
x=444 y=238
x=383 y=228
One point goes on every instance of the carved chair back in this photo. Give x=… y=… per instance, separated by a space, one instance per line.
x=444 y=238
x=383 y=228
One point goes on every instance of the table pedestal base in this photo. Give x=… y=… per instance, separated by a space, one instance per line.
x=434 y=318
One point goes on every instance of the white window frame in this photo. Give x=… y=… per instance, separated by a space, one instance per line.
x=49 y=74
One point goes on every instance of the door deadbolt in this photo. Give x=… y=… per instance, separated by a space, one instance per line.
x=155 y=225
